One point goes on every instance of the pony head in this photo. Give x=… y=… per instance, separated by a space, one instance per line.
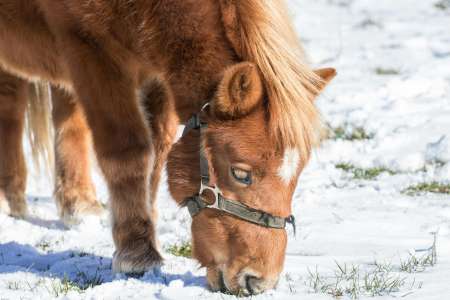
x=249 y=166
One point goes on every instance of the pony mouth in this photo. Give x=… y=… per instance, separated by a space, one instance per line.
x=241 y=292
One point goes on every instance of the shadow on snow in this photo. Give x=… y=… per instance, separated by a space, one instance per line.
x=83 y=269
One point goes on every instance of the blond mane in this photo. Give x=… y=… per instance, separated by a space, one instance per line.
x=261 y=32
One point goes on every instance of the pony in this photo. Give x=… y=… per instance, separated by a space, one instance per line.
x=123 y=75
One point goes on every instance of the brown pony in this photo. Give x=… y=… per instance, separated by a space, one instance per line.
x=130 y=71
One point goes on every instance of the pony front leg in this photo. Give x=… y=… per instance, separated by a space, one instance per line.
x=122 y=143
x=107 y=90
x=74 y=190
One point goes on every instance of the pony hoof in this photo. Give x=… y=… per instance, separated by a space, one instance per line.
x=16 y=207
x=133 y=262
x=73 y=214
x=19 y=211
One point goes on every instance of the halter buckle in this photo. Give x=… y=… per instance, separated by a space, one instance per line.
x=215 y=190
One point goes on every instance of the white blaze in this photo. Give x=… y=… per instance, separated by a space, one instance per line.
x=289 y=165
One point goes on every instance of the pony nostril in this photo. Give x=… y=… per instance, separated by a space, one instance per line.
x=251 y=284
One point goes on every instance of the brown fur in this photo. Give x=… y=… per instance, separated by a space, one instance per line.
x=240 y=92
x=128 y=63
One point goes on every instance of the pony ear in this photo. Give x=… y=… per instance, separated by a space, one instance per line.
x=239 y=92
x=326 y=74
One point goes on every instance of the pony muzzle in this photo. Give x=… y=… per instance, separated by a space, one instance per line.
x=245 y=283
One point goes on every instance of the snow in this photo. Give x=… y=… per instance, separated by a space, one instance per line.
x=340 y=219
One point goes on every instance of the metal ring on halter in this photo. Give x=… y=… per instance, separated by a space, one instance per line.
x=215 y=190
x=205 y=106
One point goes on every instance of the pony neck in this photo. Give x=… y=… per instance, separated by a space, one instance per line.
x=195 y=55
x=192 y=91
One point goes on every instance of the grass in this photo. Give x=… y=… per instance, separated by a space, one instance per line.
x=289 y=281
x=442 y=5
x=368 y=22
x=43 y=245
x=85 y=281
x=349 y=133
x=386 y=71
x=63 y=287
x=183 y=250
x=352 y=281
x=60 y=287
x=377 y=279
x=364 y=174
x=416 y=263
x=79 y=254
x=13 y=285
x=427 y=187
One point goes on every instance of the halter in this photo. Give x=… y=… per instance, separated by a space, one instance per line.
x=196 y=203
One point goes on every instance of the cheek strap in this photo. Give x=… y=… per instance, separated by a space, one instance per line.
x=195 y=204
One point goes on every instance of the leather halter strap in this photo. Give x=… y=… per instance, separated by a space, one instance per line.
x=196 y=203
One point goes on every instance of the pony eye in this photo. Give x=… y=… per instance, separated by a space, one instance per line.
x=242 y=176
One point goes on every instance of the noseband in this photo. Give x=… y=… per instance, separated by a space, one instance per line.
x=196 y=203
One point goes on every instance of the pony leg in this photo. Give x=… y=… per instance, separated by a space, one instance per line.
x=122 y=142
x=74 y=191
x=163 y=122
x=13 y=173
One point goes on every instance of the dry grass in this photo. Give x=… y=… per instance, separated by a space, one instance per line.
x=364 y=174
x=349 y=133
x=442 y=5
x=386 y=71
x=427 y=187
x=183 y=250
x=376 y=279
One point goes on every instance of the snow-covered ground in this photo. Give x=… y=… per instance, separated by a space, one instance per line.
x=393 y=60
